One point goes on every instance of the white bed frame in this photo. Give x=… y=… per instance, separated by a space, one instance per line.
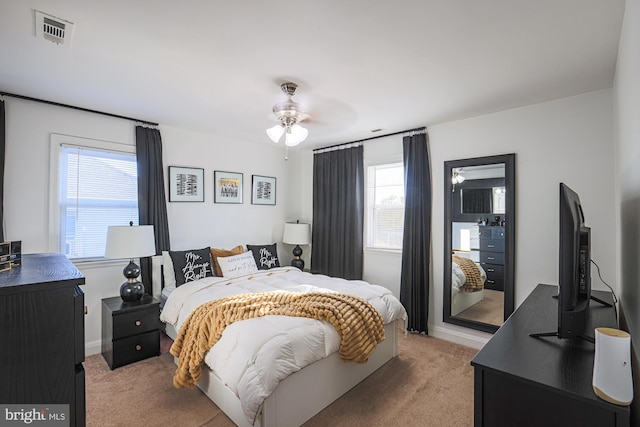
x=464 y=300
x=304 y=393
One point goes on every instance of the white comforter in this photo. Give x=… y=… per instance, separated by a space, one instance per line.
x=254 y=355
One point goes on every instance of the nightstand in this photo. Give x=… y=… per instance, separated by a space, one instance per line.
x=130 y=330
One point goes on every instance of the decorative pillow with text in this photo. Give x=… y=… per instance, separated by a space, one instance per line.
x=191 y=265
x=266 y=256
x=216 y=253
x=237 y=265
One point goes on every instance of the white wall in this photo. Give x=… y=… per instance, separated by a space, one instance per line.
x=627 y=131
x=29 y=125
x=568 y=140
x=627 y=103
x=225 y=225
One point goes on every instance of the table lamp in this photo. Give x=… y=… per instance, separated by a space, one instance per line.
x=297 y=234
x=130 y=242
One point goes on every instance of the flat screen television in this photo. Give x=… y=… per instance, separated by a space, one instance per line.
x=574 y=281
x=574 y=286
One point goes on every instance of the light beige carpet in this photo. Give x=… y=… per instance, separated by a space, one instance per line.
x=489 y=310
x=142 y=394
x=430 y=383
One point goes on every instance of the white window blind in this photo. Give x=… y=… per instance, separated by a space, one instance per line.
x=96 y=189
x=385 y=203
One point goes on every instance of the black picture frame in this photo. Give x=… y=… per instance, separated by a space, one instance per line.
x=263 y=190
x=186 y=184
x=227 y=187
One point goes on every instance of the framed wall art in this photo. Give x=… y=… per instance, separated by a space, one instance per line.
x=263 y=190
x=227 y=187
x=186 y=184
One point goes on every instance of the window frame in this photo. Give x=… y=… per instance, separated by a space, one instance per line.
x=368 y=226
x=56 y=142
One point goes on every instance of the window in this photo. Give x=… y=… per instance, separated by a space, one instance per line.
x=96 y=188
x=499 y=200
x=385 y=206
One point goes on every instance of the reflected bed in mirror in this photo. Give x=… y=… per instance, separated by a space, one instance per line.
x=479 y=241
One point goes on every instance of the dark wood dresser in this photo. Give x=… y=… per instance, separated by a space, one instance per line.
x=42 y=334
x=492 y=255
x=524 y=381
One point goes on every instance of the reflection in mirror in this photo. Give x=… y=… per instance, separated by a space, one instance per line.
x=479 y=213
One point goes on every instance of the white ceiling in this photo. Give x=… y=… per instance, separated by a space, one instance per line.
x=216 y=66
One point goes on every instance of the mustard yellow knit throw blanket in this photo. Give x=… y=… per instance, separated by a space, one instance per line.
x=359 y=325
x=472 y=272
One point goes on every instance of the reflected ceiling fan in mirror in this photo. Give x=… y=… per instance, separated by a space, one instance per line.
x=289 y=116
x=457 y=177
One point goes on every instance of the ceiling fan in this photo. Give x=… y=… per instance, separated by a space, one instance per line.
x=290 y=116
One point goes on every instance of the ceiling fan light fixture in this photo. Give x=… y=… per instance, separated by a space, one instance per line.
x=296 y=135
x=289 y=115
x=457 y=176
x=275 y=133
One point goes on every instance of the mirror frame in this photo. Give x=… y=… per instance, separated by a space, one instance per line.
x=509 y=161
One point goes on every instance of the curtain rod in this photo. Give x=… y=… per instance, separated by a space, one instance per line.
x=57 y=104
x=368 y=139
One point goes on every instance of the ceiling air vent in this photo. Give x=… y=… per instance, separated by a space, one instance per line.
x=53 y=29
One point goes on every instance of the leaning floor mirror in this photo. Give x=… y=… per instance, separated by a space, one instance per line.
x=479 y=246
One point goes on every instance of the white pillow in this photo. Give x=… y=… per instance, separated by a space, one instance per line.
x=237 y=265
x=167 y=269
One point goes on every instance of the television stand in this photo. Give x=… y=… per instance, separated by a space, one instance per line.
x=523 y=382
x=555 y=334
x=601 y=301
x=593 y=298
x=584 y=337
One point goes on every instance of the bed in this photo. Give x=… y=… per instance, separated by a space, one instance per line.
x=465 y=292
x=291 y=392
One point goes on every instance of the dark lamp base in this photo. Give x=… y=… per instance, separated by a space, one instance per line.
x=131 y=291
x=297 y=261
x=131 y=271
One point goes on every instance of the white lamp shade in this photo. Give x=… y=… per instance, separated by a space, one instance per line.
x=296 y=233
x=297 y=135
x=275 y=133
x=130 y=241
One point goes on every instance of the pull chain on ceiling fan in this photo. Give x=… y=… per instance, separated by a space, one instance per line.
x=289 y=115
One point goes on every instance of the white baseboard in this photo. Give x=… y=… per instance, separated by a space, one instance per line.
x=93 y=347
x=459 y=337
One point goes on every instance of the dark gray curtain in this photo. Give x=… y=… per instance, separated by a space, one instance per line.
x=416 y=245
x=476 y=200
x=338 y=213
x=152 y=205
x=2 y=154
